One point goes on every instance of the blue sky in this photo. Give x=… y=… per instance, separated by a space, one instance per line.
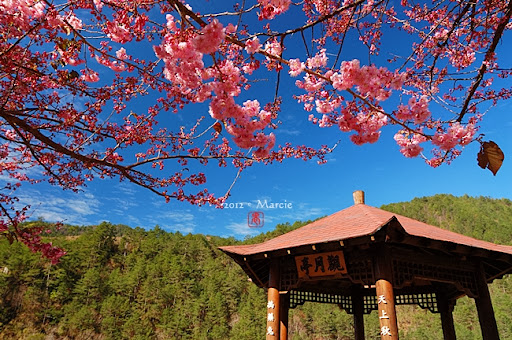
x=308 y=189
x=313 y=190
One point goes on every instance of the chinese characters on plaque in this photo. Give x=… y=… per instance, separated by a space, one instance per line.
x=384 y=318
x=270 y=316
x=322 y=264
x=385 y=330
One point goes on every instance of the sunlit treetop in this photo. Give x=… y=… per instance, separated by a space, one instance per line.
x=88 y=87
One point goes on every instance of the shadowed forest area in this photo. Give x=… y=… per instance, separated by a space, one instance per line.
x=118 y=282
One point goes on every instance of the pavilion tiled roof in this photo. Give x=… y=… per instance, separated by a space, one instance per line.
x=357 y=221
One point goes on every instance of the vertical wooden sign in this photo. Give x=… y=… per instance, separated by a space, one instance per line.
x=273 y=302
x=386 y=308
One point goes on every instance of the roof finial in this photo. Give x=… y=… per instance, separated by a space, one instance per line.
x=358 y=197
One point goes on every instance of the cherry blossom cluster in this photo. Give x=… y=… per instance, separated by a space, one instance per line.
x=417 y=110
x=219 y=83
x=409 y=143
x=366 y=125
x=372 y=84
x=271 y=8
x=21 y=13
x=80 y=102
x=456 y=134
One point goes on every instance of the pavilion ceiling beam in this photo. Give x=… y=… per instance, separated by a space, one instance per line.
x=500 y=272
x=257 y=278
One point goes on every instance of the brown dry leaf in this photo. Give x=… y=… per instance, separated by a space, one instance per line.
x=490 y=156
x=217 y=127
x=73 y=75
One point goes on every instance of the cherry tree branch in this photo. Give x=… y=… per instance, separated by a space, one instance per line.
x=489 y=56
x=13 y=120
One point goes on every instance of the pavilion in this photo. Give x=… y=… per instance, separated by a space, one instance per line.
x=364 y=258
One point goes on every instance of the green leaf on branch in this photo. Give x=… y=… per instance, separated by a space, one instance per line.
x=490 y=156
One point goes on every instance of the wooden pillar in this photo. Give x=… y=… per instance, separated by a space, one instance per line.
x=273 y=303
x=385 y=296
x=484 y=307
x=284 y=306
x=358 y=310
x=446 y=309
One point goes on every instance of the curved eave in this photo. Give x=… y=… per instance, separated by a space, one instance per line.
x=255 y=259
x=359 y=221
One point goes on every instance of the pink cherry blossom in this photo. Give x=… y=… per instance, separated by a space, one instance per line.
x=210 y=38
x=310 y=83
x=118 y=32
x=10 y=134
x=319 y=60
x=230 y=28
x=409 y=144
x=249 y=68
x=253 y=45
x=90 y=76
x=462 y=58
x=273 y=47
x=74 y=21
x=296 y=67
x=98 y=4
x=271 y=8
x=347 y=76
x=69 y=57
x=113 y=65
x=417 y=110
x=324 y=106
x=456 y=134
x=121 y=53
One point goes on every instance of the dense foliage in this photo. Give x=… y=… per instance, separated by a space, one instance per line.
x=122 y=283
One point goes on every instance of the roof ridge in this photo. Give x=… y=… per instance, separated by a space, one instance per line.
x=373 y=211
x=356 y=221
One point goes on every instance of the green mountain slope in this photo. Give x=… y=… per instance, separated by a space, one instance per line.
x=483 y=218
x=122 y=283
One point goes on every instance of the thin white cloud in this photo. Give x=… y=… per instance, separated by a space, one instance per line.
x=68 y=207
x=289 y=132
x=177 y=215
x=126 y=188
x=242 y=229
x=176 y=220
x=304 y=212
x=182 y=228
x=132 y=220
x=121 y=205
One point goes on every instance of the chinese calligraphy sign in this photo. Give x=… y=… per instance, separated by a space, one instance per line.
x=270 y=304
x=385 y=329
x=270 y=317
x=322 y=264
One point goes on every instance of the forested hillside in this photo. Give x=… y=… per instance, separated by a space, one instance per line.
x=118 y=282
